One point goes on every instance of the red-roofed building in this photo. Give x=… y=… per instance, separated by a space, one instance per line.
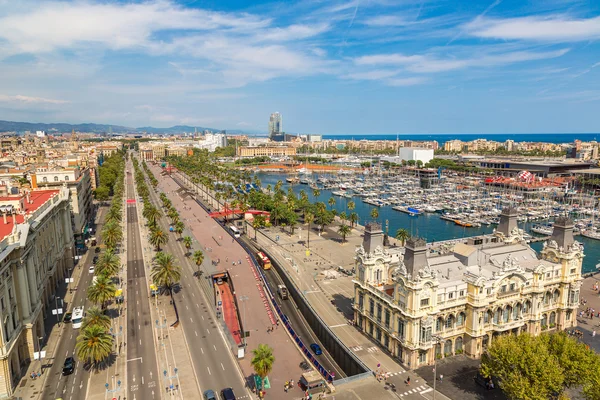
x=36 y=251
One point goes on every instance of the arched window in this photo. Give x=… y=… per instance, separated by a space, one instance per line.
x=458 y=344
x=439 y=323
x=487 y=318
x=448 y=347
x=545 y=320
x=460 y=320
x=45 y=179
x=517 y=311
x=56 y=179
x=555 y=296
x=450 y=322
x=547 y=298
x=506 y=313
x=527 y=307
x=497 y=315
x=552 y=318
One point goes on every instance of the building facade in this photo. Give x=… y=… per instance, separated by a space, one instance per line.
x=36 y=251
x=269 y=151
x=432 y=304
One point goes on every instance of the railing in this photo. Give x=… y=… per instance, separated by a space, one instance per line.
x=508 y=293
x=352 y=378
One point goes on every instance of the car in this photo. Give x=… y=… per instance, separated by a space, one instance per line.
x=209 y=395
x=305 y=366
x=95 y=260
x=68 y=366
x=227 y=394
x=316 y=349
x=219 y=281
x=67 y=317
x=92 y=269
x=97 y=250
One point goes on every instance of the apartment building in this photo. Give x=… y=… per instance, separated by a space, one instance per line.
x=437 y=302
x=36 y=251
x=269 y=151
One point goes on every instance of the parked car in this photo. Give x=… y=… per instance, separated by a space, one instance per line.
x=227 y=394
x=95 y=260
x=67 y=317
x=92 y=269
x=68 y=366
x=316 y=349
x=209 y=395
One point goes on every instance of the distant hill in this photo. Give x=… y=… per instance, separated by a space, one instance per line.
x=11 y=126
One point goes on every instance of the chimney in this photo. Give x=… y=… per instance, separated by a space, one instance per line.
x=563 y=232
x=415 y=255
x=373 y=237
x=28 y=198
x=4 y=216
x=508 y=221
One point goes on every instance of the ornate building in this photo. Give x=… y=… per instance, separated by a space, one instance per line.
x=437 y=301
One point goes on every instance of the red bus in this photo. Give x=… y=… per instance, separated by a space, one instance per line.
x=263 y=260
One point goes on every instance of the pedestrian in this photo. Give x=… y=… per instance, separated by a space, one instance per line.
x=441 y=377
x=594 y=333
x=32 y=375
x=291 y=383
x=285 y=387
x=408 y=381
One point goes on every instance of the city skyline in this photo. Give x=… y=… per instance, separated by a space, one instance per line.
x=336 y=68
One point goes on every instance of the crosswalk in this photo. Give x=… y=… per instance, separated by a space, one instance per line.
x=420 y=389
x=373 y=349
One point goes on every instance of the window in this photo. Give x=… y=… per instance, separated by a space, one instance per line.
x=387 y=318
x=56 y=179
x=573 y=271
x=489 y=291
x=371 y=306
x=555 y=273
x=401 y=328
x=45 y=179
x=379 y=312
x=378 y=337
x=66 y=177
x=512 y=287
x=422 y=357
x=10 y=296
x=462 y=293
x=361 y=300
x=548 y=275
x=370 y=328
x=440 y=298
x=503 y=289
x=460 y=320
x=386 y=341
x=450 y=295
x=425 y=334
x=438 y=324
x=486 y=317
x=506 y=314
x=424 y=302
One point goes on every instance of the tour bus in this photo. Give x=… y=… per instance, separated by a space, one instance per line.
x=77 y=317
x=263 y=260
x=235 y=231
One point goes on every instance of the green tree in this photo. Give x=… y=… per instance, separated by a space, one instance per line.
x=262 y=361
x=165 y=273
x=258 y=222
x=331 y=202
x=344 y=230
x=402 y=235
x=179 y=227
x=95 y=316
x=108 y=264
x=152 y=215
x=351 y=205
x=94 y=345
x=198 y=259
x=524 y=367
x=374 y=213
x=187 y=242
x=309 y=218
x=353 y=219
x=316 y=193
x=102 y=193
x=158 y=237
x=103 y=290
x=112 y=234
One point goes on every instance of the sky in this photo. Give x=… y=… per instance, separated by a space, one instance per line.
x=329 y=67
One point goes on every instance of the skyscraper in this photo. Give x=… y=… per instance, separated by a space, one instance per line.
x=275 y=125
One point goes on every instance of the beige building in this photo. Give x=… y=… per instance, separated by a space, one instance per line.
x=36 y=251
x=429 y=304
x=269 y=151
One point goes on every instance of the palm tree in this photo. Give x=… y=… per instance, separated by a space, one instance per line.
x=94 y=345
x=173 y=214
x=262 y=361
x=258 y=222
x=402 y=235
x=344 y=230
x=198 y=259
x=112 y=234
x=374 y=213
x=316 y=193
x=353 y=219
x=103 y=290
x=351 y=205
x=95 y=316
x=309 y=218
x=187 y=242
x=179 y=227
x=153 y=215
x=158 y=238
x=165 y=273
x=331 y=202
x=108 y=264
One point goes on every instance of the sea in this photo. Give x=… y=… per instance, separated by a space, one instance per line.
x=428 y=226
x=466 y=137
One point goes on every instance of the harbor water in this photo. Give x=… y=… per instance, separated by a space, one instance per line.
x=428 y=225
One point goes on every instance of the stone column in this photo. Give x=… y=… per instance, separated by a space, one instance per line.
x=22 y=288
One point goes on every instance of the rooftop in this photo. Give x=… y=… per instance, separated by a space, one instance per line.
x=36 y=198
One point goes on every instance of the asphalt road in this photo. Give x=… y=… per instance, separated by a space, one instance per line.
x=74 y=386
x=143 y=379
x=215 y=367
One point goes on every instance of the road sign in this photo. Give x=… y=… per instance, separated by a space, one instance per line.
x=219 y=303
x=57 y=311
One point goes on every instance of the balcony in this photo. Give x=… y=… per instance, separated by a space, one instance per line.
x=508 y=293
x=502 y=327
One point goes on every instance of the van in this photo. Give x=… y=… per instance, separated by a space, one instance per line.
x=283 y=292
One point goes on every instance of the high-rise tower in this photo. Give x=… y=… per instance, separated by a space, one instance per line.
x=275 y=125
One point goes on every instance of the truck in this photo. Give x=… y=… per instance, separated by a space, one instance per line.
x=283 y=292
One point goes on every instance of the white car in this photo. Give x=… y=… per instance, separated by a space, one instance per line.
x=92 y=269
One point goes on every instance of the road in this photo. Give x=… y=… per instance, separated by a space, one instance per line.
x=142 y=368
x=212 y=359
x=74 y=386
x=298 y=322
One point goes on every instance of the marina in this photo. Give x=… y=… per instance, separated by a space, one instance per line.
x=454 y=207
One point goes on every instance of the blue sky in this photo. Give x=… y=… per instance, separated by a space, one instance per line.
x=378 y=66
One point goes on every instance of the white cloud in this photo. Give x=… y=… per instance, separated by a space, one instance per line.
x=29 y=100
x=432 y=64
x=292 y=32
x=407 y=81
x=386 y=20
x=555 y=28
x=373 y=75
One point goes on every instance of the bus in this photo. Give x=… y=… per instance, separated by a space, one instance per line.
x=235 y=231
x=77 y=317
x=263 y=260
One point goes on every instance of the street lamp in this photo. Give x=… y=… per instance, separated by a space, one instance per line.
x=436 y=340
